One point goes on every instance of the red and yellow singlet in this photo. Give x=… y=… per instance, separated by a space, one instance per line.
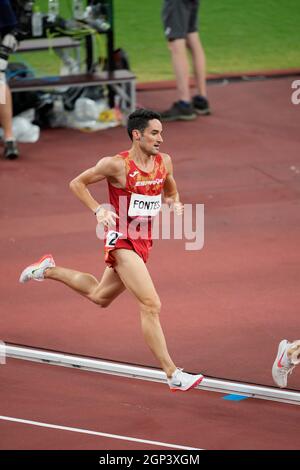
x=136 y=205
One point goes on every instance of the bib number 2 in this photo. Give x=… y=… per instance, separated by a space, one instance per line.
x=112 y=238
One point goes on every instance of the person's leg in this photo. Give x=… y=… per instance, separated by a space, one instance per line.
x=175 y=16
x=6 y=122
x=102 y=293
x=6 y=115
x=199 y=62
x=131 y=273
x=135 y=276
x=181 y=109
x=181 y=67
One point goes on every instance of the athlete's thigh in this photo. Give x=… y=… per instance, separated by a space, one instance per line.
x=110 y=285
x=135 y=275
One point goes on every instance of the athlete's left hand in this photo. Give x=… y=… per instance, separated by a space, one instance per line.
x=176 y=206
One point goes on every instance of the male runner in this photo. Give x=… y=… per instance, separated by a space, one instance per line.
x=140 y=175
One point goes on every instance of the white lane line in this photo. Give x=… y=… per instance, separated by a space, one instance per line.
x=95 y=433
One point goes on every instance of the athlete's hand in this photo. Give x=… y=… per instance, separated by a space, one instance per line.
x=106 y=218
x=176 y=206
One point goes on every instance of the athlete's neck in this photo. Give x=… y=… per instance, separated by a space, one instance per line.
x=141 y=158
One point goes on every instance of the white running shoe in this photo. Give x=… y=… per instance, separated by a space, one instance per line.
x=182 y=381
x=282 y=366
x=36 y=271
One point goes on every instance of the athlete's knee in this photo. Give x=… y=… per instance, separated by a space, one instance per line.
x=100 y=301
x=151 y=306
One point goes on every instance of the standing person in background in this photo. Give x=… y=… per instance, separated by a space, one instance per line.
x=6 y=118
x=180 y=20
x=8 y=44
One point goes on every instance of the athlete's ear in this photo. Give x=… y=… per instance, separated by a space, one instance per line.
x=136 y=134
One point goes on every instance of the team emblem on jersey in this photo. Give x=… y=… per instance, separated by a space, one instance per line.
x=133 y=174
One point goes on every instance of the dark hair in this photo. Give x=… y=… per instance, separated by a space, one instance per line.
x=139 y=120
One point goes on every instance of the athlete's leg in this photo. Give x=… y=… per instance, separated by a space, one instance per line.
x=135 y=276
x=101 y=293
x=108 y=289
x=6 y=115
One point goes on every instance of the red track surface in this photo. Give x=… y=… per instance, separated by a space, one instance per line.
x=133 y=408
x=226 y=307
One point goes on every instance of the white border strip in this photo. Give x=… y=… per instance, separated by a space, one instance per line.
x=96 y=433
x=95 y=365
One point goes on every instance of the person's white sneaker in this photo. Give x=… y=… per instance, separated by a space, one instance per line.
x=183 y=381
x=282 y=366
x=36 y=270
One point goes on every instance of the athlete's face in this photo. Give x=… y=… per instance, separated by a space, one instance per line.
x=151 y=139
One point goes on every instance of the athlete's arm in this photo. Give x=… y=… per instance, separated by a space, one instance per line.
x=171 y=194
x=106 y=167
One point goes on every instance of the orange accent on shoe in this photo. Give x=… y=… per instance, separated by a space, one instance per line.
x=279 y=362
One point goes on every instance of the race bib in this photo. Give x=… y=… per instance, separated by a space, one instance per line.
x=144 y=205
x=112 y=238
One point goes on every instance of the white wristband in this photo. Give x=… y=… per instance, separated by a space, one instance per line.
x=97 y=210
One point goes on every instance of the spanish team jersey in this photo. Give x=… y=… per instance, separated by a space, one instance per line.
x=136 y=205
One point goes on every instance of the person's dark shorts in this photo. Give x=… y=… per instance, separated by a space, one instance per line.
x=180 y=17
x=7 y=19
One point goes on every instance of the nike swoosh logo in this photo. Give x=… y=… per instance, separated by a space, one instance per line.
x=179 y=384
x=133 y=174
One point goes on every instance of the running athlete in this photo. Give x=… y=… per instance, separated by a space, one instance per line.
x=139 y=176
